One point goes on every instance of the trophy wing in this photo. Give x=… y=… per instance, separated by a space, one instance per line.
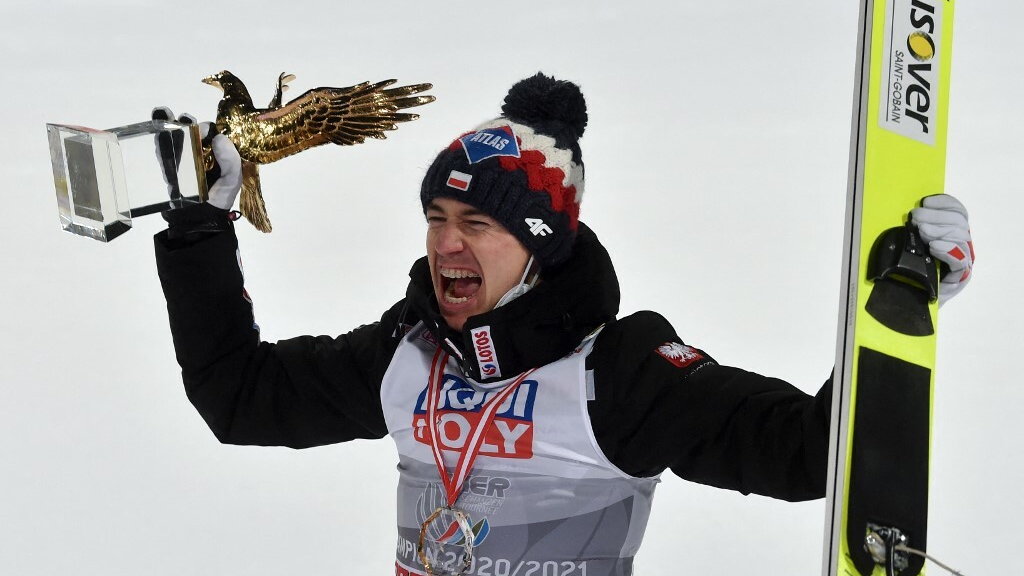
x=344 y=116
x=251 y=203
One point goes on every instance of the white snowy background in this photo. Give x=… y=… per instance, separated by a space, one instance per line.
x=716 y=163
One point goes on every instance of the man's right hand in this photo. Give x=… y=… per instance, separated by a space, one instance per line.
x=224 y=179
x=225 y=185
x=942 y=222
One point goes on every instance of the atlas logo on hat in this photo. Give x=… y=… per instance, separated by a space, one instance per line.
x=490 y=142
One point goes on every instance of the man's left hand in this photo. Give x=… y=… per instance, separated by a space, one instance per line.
x=942 y=222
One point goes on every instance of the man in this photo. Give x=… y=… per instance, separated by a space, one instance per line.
x=531 y=424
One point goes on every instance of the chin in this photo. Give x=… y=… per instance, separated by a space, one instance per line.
x=456 y=319
x=455 y=323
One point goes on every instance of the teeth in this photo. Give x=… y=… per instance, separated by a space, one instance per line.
x=454 y=274
x=458 y=273
x=451 y=298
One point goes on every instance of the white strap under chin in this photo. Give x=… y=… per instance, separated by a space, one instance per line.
x=522 y=288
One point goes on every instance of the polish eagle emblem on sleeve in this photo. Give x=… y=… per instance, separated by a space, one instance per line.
x=680 y=355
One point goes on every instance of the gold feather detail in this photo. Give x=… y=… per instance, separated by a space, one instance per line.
x=251 y=203
x=342 y=116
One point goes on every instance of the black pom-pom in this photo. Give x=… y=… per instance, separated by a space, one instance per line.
x=550 y=106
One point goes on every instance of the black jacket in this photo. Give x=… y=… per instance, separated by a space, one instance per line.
x=711 y=424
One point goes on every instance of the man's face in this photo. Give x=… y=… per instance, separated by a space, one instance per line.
x=473 y=259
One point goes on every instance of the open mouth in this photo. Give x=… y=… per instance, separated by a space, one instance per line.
x=459 y=284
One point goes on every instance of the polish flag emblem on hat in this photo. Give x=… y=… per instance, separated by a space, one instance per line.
x=459 y=180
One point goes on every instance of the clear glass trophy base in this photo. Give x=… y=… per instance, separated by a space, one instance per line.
x=104 y=178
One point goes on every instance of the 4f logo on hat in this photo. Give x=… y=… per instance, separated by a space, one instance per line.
x=538 y=227
x=490 y=142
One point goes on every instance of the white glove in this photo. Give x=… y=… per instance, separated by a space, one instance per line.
x=223 y=187
x=224 y=180
x=942 y=222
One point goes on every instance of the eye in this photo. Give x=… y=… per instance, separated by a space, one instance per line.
x=434 y=220
x=478 y=224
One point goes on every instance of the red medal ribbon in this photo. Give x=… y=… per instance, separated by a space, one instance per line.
x=453 y=483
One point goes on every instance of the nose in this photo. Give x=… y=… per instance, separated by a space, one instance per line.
x=449 y=239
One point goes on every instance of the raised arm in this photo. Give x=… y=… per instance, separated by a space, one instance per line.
x=301 y=392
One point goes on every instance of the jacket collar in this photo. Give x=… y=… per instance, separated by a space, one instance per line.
x=539 y=327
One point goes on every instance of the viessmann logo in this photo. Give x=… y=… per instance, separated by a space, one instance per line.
x=485 y=354
x=510 y=434
x=913 y=30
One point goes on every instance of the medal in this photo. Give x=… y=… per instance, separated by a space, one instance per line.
x=439 y=557
x=439 y=548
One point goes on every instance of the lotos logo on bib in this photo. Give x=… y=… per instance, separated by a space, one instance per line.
x=485 y=354
x=490 y=142
x=459 y=407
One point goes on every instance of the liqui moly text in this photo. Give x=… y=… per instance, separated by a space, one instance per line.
x=458 y=409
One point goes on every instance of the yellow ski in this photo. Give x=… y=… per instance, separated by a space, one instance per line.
x=885 y=353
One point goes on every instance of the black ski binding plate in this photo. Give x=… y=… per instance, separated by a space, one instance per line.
x=906 y=280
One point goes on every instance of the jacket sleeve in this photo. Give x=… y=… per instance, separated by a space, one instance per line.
x=302 y=392
x=711 y=424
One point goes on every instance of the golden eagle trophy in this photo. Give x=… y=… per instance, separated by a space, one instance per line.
x=342 y=116
x=105 y=178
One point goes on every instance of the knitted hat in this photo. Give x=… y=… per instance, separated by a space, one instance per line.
x=524 y=169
